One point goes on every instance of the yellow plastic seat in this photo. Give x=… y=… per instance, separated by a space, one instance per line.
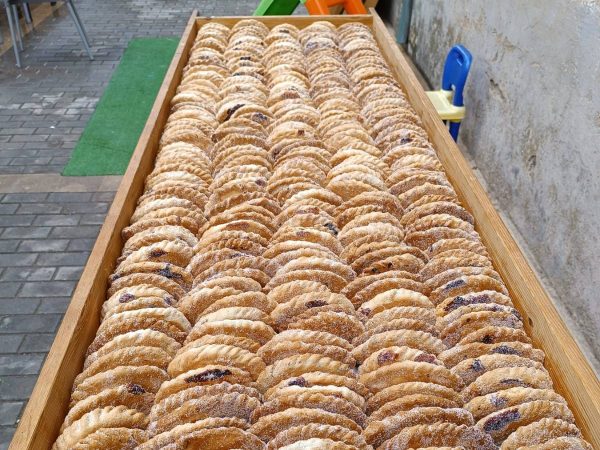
x=442 y=101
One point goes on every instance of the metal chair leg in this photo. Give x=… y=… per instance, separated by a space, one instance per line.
x=80 y=29
x=454 y=126
x=13 y=33
x=15 y=12
x=27 y=13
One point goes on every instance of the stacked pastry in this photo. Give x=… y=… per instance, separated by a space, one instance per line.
x=311 y=396
x=503 y=382
x=299 y=273
x=212 y=392
x=141 y=328
x=398 y=351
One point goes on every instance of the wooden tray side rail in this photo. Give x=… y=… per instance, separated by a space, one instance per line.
x=298 y=21
x=572 y=374
x=570 y=370
x=47 y=407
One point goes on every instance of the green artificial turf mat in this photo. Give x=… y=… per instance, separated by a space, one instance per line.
x=111 y=135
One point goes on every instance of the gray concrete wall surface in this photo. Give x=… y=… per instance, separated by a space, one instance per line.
x=532 y=129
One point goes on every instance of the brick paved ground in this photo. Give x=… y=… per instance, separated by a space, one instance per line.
x=46 y=237
x=44 y=242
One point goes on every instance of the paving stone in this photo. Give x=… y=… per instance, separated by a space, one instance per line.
x=26 y=232
x=81 y=231
x=16 y=387
x=53 y=305
x=67 y=197
x=61 y=259
x=40 y=208
x=103 y=197
x=88 y=207
x=9 y=412
x=81 y=245
x=59 y=160
x=18 y=259
x=55 y=220
x=22 y=364
x=32 y=138
x=92 y=219
x=9 y=289
x=29 y=197
x=46 y=289
x=20 y=306
x=10 y=149
x=43 y=245
x=15 y=131
x=6 y=434
x=8 y=208
x=36 y=343
x=10 y=344
x=9 y=246
x=14 y=112
x=11 y=221
x=68 y=273
x=36 y=161
x=29 y=323
x=27 y=273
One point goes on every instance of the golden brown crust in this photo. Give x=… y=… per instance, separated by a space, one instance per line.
x=295 y=190
x=537 y=433
x=313 y=430
x=269 y=426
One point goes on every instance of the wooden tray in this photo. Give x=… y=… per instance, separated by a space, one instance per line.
x=571 y=372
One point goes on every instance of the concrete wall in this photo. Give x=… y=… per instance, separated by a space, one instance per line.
x=532 y=129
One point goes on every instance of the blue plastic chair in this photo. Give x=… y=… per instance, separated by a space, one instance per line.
x=456 y=71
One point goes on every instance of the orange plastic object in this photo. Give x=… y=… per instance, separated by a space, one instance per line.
x=321 y=7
